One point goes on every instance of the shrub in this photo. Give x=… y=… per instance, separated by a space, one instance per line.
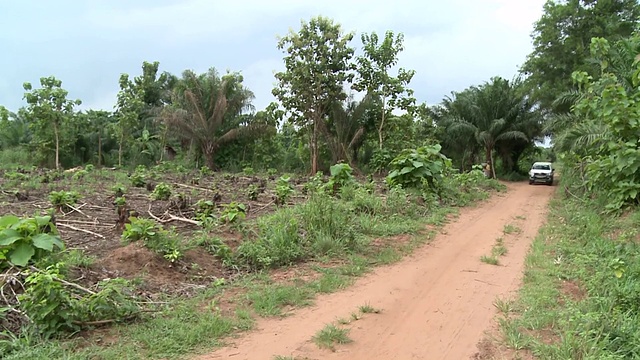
x=61 y=200
x=341 y=175
x=161 y=192
x=413 y=166
x=154 y=237
x=284 y=190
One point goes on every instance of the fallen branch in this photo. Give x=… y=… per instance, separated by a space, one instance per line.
x=192 y=187
x=265 y=206
x=172 y=218
x=78 y=229
x=95 y=222
x=77 y=209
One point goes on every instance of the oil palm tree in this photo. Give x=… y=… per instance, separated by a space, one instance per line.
x=206 y=110
x=489 y=115
x=346 y=128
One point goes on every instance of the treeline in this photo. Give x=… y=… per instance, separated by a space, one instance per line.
x=333 y=106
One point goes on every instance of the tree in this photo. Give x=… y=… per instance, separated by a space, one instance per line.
x=14 y=129
x=49 y=109
x=493 y=114
x=374 y=77
x=317 y=64
x=561 y=39
x=207 y=109
x=347 y=127
x=128 y=107
x=99 y=122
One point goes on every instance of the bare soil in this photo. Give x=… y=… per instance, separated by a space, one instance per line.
x=436 y=304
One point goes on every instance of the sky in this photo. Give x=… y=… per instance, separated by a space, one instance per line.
x=451 y=44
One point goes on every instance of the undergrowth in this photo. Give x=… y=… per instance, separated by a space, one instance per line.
x=337 y=223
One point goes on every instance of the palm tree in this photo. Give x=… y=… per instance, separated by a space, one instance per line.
x=490 y=114
x=14 y=129
x=206 y=109
x=345 y=131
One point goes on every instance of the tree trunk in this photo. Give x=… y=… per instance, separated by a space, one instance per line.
x=99 y=150
x=489 y=160
x=314 y=148
x=120 y=150
x=380 y=139
x=493 y=168
x=55 y=132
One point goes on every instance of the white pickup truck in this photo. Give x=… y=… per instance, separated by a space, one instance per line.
x=541 y=172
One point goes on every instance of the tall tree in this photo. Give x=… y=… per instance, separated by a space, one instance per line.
x=129 y=106
x=317 y=64
x=207 y=109
x=14 y=129
x=561 y=39
x=99 y=122
x=49 y=109
x=374 y=68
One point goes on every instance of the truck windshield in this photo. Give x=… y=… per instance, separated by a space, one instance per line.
x=541 y=167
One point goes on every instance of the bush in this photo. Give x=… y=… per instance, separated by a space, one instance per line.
x=154 y=237
x=162 y=191
x=413 y=166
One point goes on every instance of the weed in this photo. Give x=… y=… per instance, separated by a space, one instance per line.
x=491 y=260
x=368 y=309
x=331 y=335
x=233 y=212
x=504 y=306
x=511 y=229
x=248 y=171
x=253 y=192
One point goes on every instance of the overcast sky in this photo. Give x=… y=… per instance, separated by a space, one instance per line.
x=451 y=44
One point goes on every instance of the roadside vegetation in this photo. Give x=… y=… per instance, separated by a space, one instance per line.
x=581 y=287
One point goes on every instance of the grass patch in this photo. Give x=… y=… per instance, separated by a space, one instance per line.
x=580 y=298
x=368 y=309
x=330 y=336
x=491 y=260
x=511 y=229
x=498 y=249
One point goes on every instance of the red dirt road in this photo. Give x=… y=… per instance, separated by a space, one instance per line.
x=436 y=304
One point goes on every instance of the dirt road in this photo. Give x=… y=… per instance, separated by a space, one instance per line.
x=435 y=304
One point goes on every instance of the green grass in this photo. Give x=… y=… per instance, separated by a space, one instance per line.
x=330 y=336
x=491 y=260
x=368 y=309
x=511 y=229
x=581 y=292
x=498 y=249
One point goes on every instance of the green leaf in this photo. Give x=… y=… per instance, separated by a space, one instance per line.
x=406 y=170
x=43 y=241
x=22 y=253
x=9 y=236
x=8 y=220
x=43 y=220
